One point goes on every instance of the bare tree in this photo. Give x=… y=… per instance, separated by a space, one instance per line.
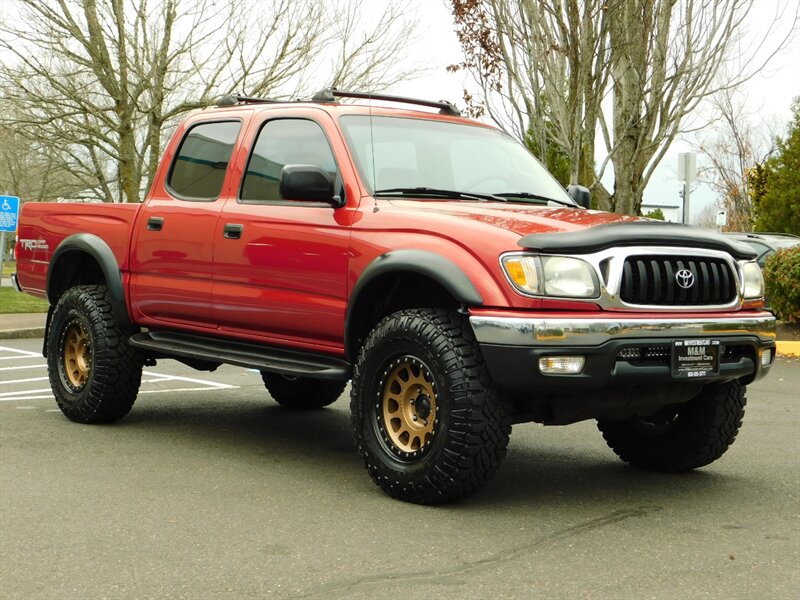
x=540 y=69
x=103 y=79
x=32 y=171
x=634 y=70
x=733 y=155
x=707 y=218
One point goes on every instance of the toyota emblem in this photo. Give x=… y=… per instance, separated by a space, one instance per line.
x=684 y=278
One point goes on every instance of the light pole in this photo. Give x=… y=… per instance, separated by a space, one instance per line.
x=687 y=168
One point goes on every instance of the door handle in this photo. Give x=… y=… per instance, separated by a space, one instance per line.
x=155 y=223
x=232 y=231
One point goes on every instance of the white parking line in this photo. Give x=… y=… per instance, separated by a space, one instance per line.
x=24 y=380
x=215 y=384
x=41 y=366
x=5 y=395
x=46 y=393
x=193 y=389
x=26 y=353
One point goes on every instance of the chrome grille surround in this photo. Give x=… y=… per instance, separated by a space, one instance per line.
x=657 y=280
x=609 y=266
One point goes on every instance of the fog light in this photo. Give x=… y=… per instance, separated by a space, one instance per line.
x=561 y=365
x=629 y=354
x=766 y=357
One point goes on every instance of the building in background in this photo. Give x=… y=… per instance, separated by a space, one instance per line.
x=672 y=214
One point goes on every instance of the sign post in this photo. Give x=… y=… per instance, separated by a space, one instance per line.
x=687 y=169
x=9 y=216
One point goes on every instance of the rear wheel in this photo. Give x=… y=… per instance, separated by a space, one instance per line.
x=681 y=437
x=94 y=373
x=428 y=422
x=302 y=393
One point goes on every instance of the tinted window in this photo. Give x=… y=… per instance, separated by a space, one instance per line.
x=202 y=160
x=284 y=142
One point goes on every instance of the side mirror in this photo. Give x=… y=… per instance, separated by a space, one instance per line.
x=307 y=182
x=580 y=194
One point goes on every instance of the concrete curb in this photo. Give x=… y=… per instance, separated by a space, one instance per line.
x=788 y=348
x=32 y=332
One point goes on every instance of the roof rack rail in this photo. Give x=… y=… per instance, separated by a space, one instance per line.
x=331 y=94
x=236 y=99
x=781 y=234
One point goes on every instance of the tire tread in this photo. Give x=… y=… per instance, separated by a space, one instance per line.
x=480 y=426
x=706 y=427
x=117 y=367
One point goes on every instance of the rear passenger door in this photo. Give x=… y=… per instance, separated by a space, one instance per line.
x=282 y=277
x=172 y=250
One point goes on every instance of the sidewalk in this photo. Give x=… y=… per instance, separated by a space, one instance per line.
x=32 y=326
x=23 y=325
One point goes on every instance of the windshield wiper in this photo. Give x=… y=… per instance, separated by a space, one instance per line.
x=529 y=196
x=439 y=193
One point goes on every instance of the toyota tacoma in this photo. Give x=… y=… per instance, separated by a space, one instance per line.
x=430 y=260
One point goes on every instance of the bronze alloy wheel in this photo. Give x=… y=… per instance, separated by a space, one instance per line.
x=427 y=422
x=77 y=355
x=408 y=408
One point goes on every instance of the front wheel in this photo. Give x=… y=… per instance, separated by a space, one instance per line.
x=94 y=373
x=428 y=422
x=681 y=437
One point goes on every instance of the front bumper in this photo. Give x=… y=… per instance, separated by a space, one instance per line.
x=513 y=345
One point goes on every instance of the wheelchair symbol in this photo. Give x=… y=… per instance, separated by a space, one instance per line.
x=6 y=205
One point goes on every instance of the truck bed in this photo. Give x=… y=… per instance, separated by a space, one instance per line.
x=44 y=225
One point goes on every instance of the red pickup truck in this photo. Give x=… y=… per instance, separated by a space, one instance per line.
x=430 y=260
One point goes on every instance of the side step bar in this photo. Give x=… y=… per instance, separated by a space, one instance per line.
x=161 y=344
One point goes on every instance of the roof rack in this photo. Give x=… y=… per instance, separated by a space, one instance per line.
x=789 y=235
x=234 y=100
x=331 y=94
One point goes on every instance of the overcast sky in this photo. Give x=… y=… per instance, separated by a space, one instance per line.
x=769 y=94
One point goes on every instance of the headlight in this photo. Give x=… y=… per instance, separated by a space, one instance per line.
x=752 y=280
x=560 y=276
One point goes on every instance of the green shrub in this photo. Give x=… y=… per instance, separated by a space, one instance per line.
x=782 y=279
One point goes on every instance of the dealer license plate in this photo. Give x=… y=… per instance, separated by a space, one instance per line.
x=695 y=358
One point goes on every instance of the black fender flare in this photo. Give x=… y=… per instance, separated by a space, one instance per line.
x=421 y=262
x=100 y=251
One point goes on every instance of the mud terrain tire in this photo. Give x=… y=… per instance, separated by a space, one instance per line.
x=428 y=422
x=94 y=373
x=682 y=437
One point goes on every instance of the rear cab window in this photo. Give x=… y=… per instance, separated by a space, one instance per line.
x=201 y=162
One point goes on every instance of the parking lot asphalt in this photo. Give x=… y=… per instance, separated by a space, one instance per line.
x=208 y=489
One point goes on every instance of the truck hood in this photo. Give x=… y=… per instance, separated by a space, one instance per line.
x=520 y=219
x=549 y=229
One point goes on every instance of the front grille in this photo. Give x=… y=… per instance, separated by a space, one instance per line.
x=651 y=280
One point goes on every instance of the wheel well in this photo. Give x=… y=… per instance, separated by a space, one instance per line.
x=72 y=268
x=390 y=293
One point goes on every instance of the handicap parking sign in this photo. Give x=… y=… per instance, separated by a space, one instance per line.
x=9 y=213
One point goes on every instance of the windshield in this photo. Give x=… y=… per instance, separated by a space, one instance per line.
x=395 y=153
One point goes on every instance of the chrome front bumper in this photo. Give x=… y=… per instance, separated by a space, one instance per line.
x=545 y=332
x=513 y=346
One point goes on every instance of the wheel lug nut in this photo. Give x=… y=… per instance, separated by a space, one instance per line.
x=414 y=417
x=413 y=402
